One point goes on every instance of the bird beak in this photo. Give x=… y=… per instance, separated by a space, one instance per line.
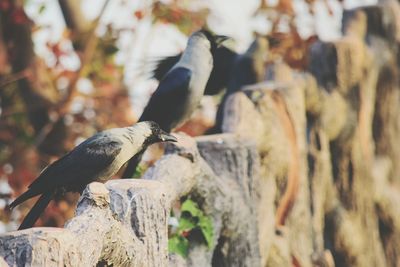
x=166 y=137
x=219 y=39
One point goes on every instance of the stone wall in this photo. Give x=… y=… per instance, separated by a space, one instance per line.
x=306 y=173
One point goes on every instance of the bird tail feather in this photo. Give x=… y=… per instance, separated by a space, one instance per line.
x=36 y=211
x=22 y=198
x=132 y=165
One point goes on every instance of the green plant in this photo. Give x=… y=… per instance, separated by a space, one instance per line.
x=192 y=219
x=140 y=170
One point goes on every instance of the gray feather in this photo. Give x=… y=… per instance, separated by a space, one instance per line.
x=86 y=163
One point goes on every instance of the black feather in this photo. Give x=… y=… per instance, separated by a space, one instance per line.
x=34 y=214
x=132 y=165
x=245 y=70
x=223 y=62
x=22 y=198
x=79 y=167
x=164 y=65
x=165 y=106
x=211 y=38
x=72 y=172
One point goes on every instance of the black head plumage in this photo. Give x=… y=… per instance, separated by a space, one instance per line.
x=215 y=40
x=211 y=38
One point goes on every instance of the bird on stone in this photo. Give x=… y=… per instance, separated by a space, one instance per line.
x=248 y=68
x=95 y=159
x=181 y=89
x=224 y=58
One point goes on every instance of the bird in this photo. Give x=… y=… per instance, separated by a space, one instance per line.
x=248 y=68
x=224 y=58
x=96 y=159
x=182 y=87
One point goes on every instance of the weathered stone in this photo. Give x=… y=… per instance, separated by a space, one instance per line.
x=124 y=222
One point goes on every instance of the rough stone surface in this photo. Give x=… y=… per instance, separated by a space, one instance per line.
x=124 y=222
x=305 y=174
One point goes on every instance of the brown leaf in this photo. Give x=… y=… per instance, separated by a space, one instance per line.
x=139 y=14
x=285 y=6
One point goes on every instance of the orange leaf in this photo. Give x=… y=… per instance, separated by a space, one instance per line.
x=139 y=14
x=285 y=6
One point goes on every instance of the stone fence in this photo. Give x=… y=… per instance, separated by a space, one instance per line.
x=306 y=173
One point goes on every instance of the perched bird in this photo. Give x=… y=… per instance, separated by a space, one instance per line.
x=181 y=89
x=248 y=68
x=96 y=159
x=219 y=77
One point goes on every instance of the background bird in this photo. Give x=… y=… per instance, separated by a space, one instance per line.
x=219 y=77
x=181 y=89
x=96 y=159
x=248 y=68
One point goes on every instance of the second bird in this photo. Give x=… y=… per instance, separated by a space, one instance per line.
x=180 y=91
x=248 y=68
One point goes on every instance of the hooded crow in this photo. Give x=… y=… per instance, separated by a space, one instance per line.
x=96 y=159
x=181 y=89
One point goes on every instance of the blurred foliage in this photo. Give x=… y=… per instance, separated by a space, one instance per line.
x=100 y=100
x=180 y=14
x=140 y=170
x=286 y=41
x=192 y=223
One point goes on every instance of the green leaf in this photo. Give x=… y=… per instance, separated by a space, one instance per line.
x=42 y=8
x=186 y=223
x=191 y=207
x=207 y=230
x=139 y=171
x=192 y=218
x=178 y=245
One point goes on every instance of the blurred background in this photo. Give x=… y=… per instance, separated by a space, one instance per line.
x=71 y=68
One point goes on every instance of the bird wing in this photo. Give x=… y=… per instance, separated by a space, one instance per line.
x=223 y=61
x=80 y=166
x=164 y=65
x=167 y=101
x=132 y=165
